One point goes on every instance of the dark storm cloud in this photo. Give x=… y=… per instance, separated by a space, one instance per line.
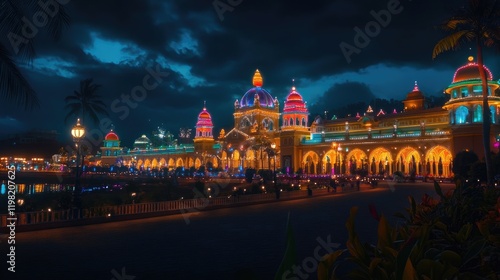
x=342 y=94
x=213 y=60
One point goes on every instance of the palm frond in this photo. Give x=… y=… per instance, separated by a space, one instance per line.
x=14 y=87
x=87 y=100
x=451 y=42
x=72 y=113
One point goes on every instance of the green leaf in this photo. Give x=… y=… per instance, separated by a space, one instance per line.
x=374 y=263
x=437 y=187
x=464 y=233
x=413 y=209
x=384 y=233
x=402 y=258
x=326 y=263
x=409 y=272
x=474 y=250
x=430 y=268
x=450 y=257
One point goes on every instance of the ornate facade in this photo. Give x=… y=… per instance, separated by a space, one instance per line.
x=418 y=140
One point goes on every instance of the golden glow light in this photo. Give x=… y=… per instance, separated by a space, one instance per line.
x=257 y=79
x=78 y=130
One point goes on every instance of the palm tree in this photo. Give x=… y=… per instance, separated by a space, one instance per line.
x=479 y=23
x=86 y=102
x=19 y=46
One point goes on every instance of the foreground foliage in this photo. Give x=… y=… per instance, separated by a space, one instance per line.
x=455 y=237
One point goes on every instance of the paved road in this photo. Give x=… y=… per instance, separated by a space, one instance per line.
x=231 y=243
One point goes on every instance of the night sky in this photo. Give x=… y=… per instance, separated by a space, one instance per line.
x=212 y=56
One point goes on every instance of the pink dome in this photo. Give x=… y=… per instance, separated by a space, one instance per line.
x=111 y=136
x=294 y=103
x=204 y=119
x=470 y=71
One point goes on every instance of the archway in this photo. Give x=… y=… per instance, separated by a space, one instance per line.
x=380 y=157
x=154 y=163
x=235 y=159
x=439 y=161
x=329 y=162
x=171 y=163
x=250 y=158
x=355 y=159
x=163 y=162
x=409 y=161
x=179 y=162
x=197 y=163
x=310 y=162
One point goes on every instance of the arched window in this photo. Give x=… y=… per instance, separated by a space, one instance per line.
x=297 y=122
x=461 y=114
x=286 y=122
x=291 y=121
x=464 y=91
x=304 y=122
x=493 y=113
x=454 y=94
x=478 y=90
x=478 y=113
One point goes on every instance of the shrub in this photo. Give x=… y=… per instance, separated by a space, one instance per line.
x=455 y=237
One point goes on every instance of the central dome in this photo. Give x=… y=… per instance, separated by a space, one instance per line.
x=257 y=93
x=470 y=71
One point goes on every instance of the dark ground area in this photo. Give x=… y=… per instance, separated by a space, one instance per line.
x=231 y=243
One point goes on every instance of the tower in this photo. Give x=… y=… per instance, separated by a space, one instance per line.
x=465 y=107
x=295 y=127
x=204 y=139
x=110 y=148
x=414 y=100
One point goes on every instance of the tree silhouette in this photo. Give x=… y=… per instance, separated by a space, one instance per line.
x=14 y=87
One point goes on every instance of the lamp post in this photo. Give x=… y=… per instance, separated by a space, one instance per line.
x=339 y=150
x=78 y=131
x=273 y=147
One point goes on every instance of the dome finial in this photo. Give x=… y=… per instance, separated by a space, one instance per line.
x=204 y=104
x=257 y=79
x=416 y=87
x=293 y=84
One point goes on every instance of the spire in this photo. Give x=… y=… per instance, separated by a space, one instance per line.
x=204 y=104
x=293 y=84
x=257 y=79
x=369 y=110
x=416 y=87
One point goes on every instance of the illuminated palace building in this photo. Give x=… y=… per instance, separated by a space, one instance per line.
x=418 y=140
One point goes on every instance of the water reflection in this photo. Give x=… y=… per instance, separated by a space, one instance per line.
x=42 y=188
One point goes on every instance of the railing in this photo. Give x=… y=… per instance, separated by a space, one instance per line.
x=196 y=204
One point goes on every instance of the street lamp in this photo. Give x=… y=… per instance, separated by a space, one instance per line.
x=339 y=149
x=273 y=147
x=78 y=131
